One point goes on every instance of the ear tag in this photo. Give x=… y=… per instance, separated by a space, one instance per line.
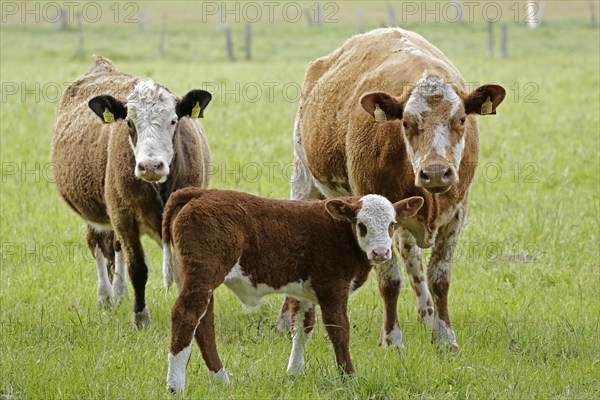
x=379 y=114
x=108 y=116
x=486 y=107
x=196 y=110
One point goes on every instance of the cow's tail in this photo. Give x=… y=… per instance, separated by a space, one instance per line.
x=174 y=205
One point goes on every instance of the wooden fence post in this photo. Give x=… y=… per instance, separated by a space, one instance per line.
x=79 y=52
x=229 y=43
x=161 y=41
x=360 y=25
x=248 y=41
x=490 y=43
x=391 y=15
x=504 y=46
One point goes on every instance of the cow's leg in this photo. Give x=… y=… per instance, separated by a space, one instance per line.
x=128 y=234
x=438 y=277
x=389 y=279
x=302 y=330
x=205 y=337
x=191 y=306
x=95 y=241
x=119 y=282
x=411 y=255
x=335 y=318
x=303 y=188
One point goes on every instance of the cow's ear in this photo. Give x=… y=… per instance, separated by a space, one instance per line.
x=107 y=108
x=408 y=207
x=389 y=107
x=193 y=104
x=484 y=99
x=341 y=210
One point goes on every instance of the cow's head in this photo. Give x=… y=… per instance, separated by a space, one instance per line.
x=152 y=114
x=435 y=116
x=374 y=219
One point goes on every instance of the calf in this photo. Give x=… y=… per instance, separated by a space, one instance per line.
x=316 y=251
x=116 y=161
x=389 y=113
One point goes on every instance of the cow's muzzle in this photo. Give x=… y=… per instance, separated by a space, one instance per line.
x=152 y=170
x=437 y=178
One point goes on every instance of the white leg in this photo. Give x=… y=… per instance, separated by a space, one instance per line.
x=120 y=277
x=167 y=267
x=177 y=365
x=105 y=291
x=299 y=340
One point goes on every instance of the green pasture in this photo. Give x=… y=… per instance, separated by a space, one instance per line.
x=525 y=288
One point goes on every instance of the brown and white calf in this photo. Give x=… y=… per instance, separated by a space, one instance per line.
x=316 y=251
x=121 y=145
x=388 y=113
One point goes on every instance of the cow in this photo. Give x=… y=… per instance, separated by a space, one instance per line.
x=388 y=113
x=122 y=144
x=316 y=251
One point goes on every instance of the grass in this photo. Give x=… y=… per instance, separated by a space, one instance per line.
x=524 y=297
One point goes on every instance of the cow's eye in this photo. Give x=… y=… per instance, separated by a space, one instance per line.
x=173 y=122
x=405 y=125
x=462 y=121
x=391 y=229
x=130 y=124
x=362 y=229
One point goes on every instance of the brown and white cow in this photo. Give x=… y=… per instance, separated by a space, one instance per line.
x=121 y=145
x=316 y=251
x=388 y=113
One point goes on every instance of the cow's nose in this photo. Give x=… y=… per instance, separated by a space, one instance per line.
x=437 y=178
x=381 y=254
x=151 y=170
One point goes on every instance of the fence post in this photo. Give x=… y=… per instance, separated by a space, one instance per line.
x=229 y=43
x=360 y=25
x=459 y=14
x=490 y=43
x=79 y=51
x=391 y=15
x=161 y=42
x=593 y=14
x=504 y=46
x=248 y=41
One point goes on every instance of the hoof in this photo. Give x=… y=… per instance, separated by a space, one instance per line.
x=427 y=319
x=443 y=336
x=120 y=289
x=105 y=298
x=394 y=339
x=220 y=376
x=141 y=319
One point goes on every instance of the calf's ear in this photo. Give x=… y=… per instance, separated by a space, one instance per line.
x=108 y=108
x=484 y=99
x=389 y=107
x=341 y=210
x=408 y=207
x=193 y=104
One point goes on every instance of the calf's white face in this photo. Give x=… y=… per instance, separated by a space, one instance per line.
x=152 y=114
x=374 y=219
x=434 y=125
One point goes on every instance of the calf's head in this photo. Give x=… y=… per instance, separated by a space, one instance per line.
x=374 y=219
x=435 y=118
x=152 y=114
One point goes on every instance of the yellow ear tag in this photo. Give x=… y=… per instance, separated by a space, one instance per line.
x=108 y=116
x=486 y=107
x=379 y=114
x=196 y=110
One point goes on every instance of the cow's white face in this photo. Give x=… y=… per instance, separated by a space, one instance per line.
x=374 y=218
x=152 y=114
x=435 y=120
x=151 y=120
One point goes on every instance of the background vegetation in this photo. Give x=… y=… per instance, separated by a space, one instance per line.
x=525 y=284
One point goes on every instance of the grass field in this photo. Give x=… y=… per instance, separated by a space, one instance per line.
x=526 y=280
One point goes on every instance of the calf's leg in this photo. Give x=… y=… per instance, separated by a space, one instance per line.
x=205 y=337
x=336 y=322
x=119 y=282
x=304 y=320
x=191 y=307
x=389 y=279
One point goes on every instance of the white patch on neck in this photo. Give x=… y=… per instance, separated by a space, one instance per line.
x=441 y=140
